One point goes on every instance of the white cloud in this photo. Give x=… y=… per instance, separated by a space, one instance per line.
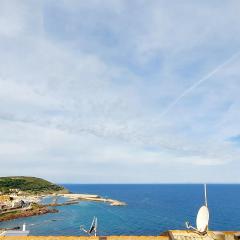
x=89 y=92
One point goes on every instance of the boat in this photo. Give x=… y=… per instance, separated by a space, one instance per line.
x=15 y=231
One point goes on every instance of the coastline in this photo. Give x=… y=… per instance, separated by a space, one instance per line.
x=38 y=208
x=26 y=213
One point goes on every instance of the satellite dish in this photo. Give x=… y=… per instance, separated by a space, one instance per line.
x=202 y=219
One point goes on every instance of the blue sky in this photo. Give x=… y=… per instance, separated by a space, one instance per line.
x=120 y=91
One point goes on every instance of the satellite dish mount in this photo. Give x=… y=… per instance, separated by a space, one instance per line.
x=93 y=228
x=202 y=219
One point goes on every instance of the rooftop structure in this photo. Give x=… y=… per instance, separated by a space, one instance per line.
x=169 y=235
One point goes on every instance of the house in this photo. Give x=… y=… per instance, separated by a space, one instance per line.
x=18 y=204
x=5 y=198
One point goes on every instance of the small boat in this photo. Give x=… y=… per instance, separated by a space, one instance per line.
x=15 y=231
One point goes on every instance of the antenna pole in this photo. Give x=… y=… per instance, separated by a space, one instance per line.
x=96 y=225
x=205 y=194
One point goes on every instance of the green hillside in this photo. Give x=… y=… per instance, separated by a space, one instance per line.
x=31 y=185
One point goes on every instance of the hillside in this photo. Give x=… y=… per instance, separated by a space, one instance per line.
x=31 y=185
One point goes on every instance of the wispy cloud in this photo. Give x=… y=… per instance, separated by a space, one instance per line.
x=195 y=85
x=90 y=86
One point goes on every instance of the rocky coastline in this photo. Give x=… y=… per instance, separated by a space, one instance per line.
x=37 y=208
x=22 y=196
x=26 y=213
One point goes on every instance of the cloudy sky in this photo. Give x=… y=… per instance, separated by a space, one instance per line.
x=121 y=91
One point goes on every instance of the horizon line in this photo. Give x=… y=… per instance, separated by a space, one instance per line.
x=167 y=183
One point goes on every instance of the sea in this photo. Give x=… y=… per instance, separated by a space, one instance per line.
x=151 y=209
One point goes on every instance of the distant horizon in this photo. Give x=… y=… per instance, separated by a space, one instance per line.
x=176 y=183
x=132 y=183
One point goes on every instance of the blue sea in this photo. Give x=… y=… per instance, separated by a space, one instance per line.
x=151 y=209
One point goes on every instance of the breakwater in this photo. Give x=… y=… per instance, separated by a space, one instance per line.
x=92 y=197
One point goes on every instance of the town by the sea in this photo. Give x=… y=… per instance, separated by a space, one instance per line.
x=151 y=209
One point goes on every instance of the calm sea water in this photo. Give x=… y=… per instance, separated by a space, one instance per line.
x=151 y=210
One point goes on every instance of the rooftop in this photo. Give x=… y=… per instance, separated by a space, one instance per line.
x=170 y=235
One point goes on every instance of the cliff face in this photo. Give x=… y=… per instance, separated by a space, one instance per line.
x=30 y=185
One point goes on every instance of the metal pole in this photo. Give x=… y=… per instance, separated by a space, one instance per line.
x=205 y=194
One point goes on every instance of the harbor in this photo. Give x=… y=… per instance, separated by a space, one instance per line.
x=22 y=197
x=14 y=206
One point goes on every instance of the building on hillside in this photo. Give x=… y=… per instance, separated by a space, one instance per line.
x=2 y=206
x=5 y=198
x=14 y=190
x=18 y=204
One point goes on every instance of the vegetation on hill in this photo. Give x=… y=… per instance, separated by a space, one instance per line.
x=31 y=185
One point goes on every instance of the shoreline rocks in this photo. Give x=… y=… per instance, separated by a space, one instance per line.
x=40 y=209
x=26 y=213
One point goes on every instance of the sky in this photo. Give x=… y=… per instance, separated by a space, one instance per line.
x=103 y=91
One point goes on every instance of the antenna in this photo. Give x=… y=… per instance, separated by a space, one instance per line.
x=92 y=229
x=205 y=194
x=96 y=225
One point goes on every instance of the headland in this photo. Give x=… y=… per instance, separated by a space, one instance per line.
x=22 y=197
